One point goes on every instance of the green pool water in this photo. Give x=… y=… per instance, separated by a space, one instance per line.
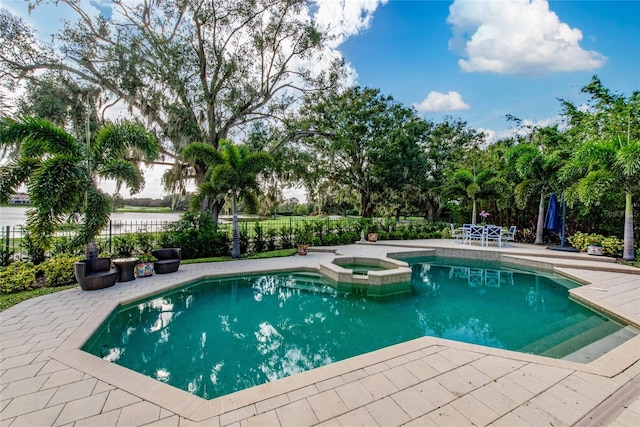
x=217 y=336
x=362 y=269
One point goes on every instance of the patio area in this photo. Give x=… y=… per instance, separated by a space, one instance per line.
x=45 y=380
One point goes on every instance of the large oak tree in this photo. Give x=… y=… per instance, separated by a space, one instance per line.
x=365 y=142
x=196 y=70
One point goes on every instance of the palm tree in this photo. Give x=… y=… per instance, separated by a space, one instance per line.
x=61 y=174
x=537 y=167
x=609 y=157
x=476 y=186
x=231 y=170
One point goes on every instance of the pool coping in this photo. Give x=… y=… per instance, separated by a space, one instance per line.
x=197 y=409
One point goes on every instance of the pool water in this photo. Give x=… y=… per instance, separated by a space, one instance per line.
x=217 y=336
x=363 y=269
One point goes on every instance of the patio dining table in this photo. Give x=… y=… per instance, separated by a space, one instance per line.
x=466 y=238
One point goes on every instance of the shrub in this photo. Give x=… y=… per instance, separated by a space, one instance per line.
x=59 y=270
x=124 y=245
x=5 y=256
x=271 y=237
x=525 y=236
x=64 y=245
x=17 y=277
x=197 y=235
x=35 y=253
x=259 y=242
x=611 y=246
x=243 y=235
x=446 y=233
x=285 y=237
x=144 y=242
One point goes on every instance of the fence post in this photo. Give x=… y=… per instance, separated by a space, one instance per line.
x=7 y=239
x=110 y=244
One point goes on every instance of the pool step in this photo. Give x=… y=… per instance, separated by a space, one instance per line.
x=578 y=341
x=309 y=282
x=560 y=336
x=602 y=346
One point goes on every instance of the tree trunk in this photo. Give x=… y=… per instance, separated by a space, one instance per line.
x=235 y=252
x=430 y=210
x=628 y=251
x=366 y=207
x=473 y=215
x=216 y=208
x=540 y=225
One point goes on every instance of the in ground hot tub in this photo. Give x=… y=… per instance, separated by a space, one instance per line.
x=382 y=276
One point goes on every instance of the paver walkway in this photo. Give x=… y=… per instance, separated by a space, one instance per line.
x=46 y=381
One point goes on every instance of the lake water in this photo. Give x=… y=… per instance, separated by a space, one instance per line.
x=17 y=215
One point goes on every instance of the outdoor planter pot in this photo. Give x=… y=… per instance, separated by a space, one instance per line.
x=303 y=249
x=144 y=269
x=594 y=250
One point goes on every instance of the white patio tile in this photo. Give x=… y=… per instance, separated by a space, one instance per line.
x=81 y=408
x=22 y=387
x=386 y=412
x=66 y=376
x=326 y=405
x=358 y=418
x=475 y=410
x=262 y=420
x=118 y=399
x=354 y=395
x=139 y=414
x=73 y=391
x=412 y=402
x=297 y=414
x=448 y=416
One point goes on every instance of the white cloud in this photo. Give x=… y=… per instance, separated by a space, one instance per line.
x=436 y=101
x=516 y=37
x=525 y=129
x=345 y=18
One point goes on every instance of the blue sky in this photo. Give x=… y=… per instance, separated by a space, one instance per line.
x=406 y=53
x=474 y=59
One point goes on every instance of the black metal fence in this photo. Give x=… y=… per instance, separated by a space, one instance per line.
x=14 y=239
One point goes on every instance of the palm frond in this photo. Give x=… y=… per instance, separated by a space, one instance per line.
x=628 y=161
x=116 y=140
x=124 y=171
x=96 y=216
x=57 y=184
x=39 y=136
x=14 y=174
x=525 y=191
x=199 y=151
x=593 y=187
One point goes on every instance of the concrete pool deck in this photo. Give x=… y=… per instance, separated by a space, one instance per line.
x=45 y=380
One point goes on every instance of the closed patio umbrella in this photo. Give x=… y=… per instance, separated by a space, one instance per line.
x=552 y=221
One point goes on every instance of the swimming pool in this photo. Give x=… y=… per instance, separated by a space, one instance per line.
x=217 y=336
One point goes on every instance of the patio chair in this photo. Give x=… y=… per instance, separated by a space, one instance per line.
x=95 y=273
x=168 y=260
x=493 y=232
x=458 y=235
x=476 y=232
x=510 y=236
